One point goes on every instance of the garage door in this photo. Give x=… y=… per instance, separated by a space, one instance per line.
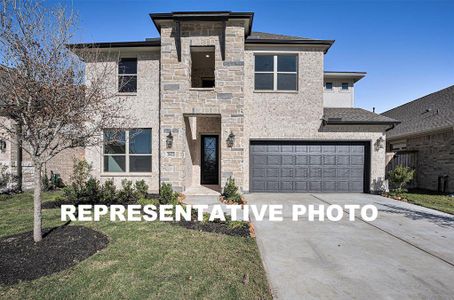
x=308 y=167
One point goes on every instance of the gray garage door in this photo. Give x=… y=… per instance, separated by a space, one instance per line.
x=307 y=167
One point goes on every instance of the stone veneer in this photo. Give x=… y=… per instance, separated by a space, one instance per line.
x=178 y=99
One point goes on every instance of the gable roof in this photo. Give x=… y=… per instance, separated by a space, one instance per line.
x=354 y=116
x=432 y=112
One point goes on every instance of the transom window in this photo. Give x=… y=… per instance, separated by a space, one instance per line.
x=329 y=86
x=127 y=75
x=127 y=150
x=344 y=86
x=276 y=72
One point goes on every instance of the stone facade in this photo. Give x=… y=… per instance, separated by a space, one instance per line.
x=435 y=157
x=178 y=99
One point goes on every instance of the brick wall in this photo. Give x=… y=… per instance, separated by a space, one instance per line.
x=435 y=158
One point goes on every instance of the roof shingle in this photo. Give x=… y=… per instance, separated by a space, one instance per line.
x=432 y=112
x=351 y=115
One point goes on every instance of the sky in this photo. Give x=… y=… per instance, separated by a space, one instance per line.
x=406 y=47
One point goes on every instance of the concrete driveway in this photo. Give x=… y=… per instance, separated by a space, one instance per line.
x=408 y=252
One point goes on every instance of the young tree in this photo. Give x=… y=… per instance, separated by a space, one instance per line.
x=45 y=92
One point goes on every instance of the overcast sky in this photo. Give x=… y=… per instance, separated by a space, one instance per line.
x=406 y=47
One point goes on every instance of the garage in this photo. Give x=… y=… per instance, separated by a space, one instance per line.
x=297 y=166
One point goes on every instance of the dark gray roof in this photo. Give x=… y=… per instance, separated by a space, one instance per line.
x=273 y=36
x=432 y=112
x=354 y=116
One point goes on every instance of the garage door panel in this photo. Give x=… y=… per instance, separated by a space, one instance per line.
x=258 y=172
x=273 y=172
x=315 y=160
x=329 y=160
x=286 y=186
x=288 y=160
x=329 y=186
x=287 y=172
x=301 y=172
x=307 y=167
x=301 y=160
x=274 y=160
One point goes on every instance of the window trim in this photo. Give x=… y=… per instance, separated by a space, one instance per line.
x=275 y=72
x=124 y=75
x=127 y=155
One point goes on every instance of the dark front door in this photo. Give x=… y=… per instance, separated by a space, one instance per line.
x=210 y=162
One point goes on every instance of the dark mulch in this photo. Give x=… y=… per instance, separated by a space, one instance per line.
x=216 y=227
x=62 y=247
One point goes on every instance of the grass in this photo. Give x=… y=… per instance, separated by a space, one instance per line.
x=431 y=200
x=144 y=260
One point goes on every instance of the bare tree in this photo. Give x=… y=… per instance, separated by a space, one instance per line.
x=46 y=91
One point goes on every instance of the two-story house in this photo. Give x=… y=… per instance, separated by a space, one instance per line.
x=211 y=99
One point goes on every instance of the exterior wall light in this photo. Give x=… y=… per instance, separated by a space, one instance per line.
x=2 y=146
x=169 y=140
x=379 y=144
x=230 y=140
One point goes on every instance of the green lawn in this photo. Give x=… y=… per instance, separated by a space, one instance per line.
x=431 y=200
x=144 y=260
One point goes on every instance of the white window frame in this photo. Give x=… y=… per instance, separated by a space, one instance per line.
x=124 y=75
x=127 y=155
x=275 y=72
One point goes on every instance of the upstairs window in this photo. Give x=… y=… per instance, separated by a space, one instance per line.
x=202 y=67
x=127 y=150
x=276 y=72
x=344 y=86
x=329 y=86
x=127 y=75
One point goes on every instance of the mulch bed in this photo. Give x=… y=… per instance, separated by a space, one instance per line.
x=216 y=227
x=61 y=248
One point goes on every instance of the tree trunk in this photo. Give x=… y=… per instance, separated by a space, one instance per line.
x=37 y=224
x=19 y=157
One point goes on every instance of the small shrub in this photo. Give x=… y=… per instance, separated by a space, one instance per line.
x=167 y=195
x=399 y=177
x=230 y=189
x=81 y=173
x=231 y=193
x=91 y=192
x=56 y=180
x=141 y=188
x=148 y=201
x=109 y=192
x=127 y=193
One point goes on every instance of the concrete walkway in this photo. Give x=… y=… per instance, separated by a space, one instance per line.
x=408 y=252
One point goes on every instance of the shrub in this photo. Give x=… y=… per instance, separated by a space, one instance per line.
x=231 y=192
x=148 y=201
x=400 y=176
x=52 y=183
x=141 y=188
x=91 y=193
x=8 y=181
x=230 y=189
x=127 y=193
x=109 y=192
x=167 y=195
x=81 y=173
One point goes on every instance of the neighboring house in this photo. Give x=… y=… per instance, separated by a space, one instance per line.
x=426 y=137
x=211 y=99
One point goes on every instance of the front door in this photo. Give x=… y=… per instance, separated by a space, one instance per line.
x=209 y=160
